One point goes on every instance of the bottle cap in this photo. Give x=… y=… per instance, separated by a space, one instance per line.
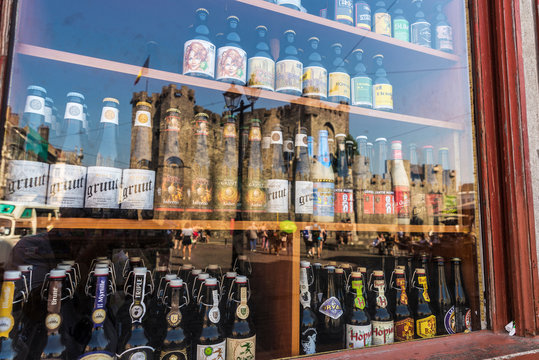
x=349 y=142
x=329 y=267
x=57 y=274
x=346 y=266
x=399 y=271
x=231 y=17
x=290 y=31
x=332 y=263
x=204 y=115
x=420 y=271
x=340 y=135
x=186 y=267
x=106 y=262
x=362 y=269
x=261 y=27
x=38 y=88
x=195 y=272
x=173 y=110
x=203 y=10
x=101 y=271
x=253 y=121
x=378 y=273
x=400 y=267
x=101 y=266
x=356 y=274
x=313 y=38
x=380 y=139
x=161 y=268
x=169 y=277
x=109 y=99
x=240 y=279
x=361 y=137
x=428 y=147
x=75 y=94
x=203 y=276
x=336 y=45
x=140 y=270
x=144 y=103
x=11 y=275
x=317 y=264
x=339 y=271
x=65 y=267
x=396 y=145
x=211 y=281
x=69 y=262
x=25 y=267
x=378 y=56
x=213 y=266
x=455 y=259
x=175 y=283
x=304 y=264
x=101 y=258
x=242 y=257
x=134 y=259
x=369 y=144
x=357 y=50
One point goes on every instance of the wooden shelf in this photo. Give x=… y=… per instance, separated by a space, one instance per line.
x=62 y=56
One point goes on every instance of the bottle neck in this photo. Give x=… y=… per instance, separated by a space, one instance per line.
x=99 y=312
x=401 y=296
x=357 y=285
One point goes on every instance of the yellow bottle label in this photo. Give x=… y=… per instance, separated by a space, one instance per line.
x=339 y=84
x=426 y=327
x=383 y=96
x=6 y=305
x=240 y=348
x=382 y=24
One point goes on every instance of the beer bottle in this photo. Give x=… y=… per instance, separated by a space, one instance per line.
x=231 y=58
x=199 y=52
x=210 y=341
x=241 y=338
x=55 y=343
x=215 y=271
x=289 y=69
x=185 y=269
x=445 y=317
x=254 y=195
x=331 y=310
x=415 y=171
x=11 y=303
x=323 y=182
x=425 y=321
x=362 y=15
x=341 y=11
x=344 y=192
x=444 y=32
x=277 y=183
x=201 y=187
x=261 y=64
x=288 y=155
x=104 y=180
x=303 y=186
x=358 y=331
x=176 y=344
x=226 y=183
x=382 y=19
x=170 y=193
x=138 y=181
x=292 y=4
x=382 y=319
x=361 y=83
x=308 y=320
x=71 y=318
x=317 y=288
x=339 y=79
x=420 y=28
x=315 y=78
x=382 y=88
x=425 y=264
x=226 y=286
x=242 y=266
x=33 y=122
x=404 y=321
x=401 y=184
x=434 y=197
x=196 y=288
x=463 y=313
x=401 y=26
x=156 y=322
x=370 y=156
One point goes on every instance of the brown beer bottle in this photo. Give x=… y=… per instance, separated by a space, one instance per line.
x=445 y=318
x=382 y=319
x=308 y=320
x=209 y=335
x=331 y=318
x=241 y=339
x=358 y=332
x=254 y=194
x=463 y=314
x=55 y=347
x=226 y=183
x=404 y=321
x=201 y=186
x=425 y=321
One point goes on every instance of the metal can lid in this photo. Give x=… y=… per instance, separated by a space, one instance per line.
x=12 y=275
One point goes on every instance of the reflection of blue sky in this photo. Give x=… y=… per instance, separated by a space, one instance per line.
x=121 y=30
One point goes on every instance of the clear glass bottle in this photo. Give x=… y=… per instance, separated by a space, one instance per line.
x=444 y=32
x=231 y=58
x=323 y=182
x=339 y=79
x=315 y=79
x=361 y=83
x=382 y=19
x=382 y=88
x=261 y=65
x=289 y=69
x=199 y=52
x=420 y=29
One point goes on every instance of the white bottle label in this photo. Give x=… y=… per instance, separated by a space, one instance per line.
x=137 y=353
x=315 y=81
x=276 y=137
x=143 y=118
x=27 y=181
x=382 y=332
x=66 y=185
x=358 y=336
x=231 y=64
x=96 y=355
x=199 y=58
x=444 y=35
x=35 y=104
x=289 y=74
x=109 y=114
x=102 y=187
x=261 y=73
x=74 y=111
x=137 y=189
x=211 y=352
x=304 y=197
x=301 y=140
x=242 y=349
x=277 y=196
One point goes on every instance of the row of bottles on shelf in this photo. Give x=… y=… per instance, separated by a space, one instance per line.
x=292 y=73
x=191 y=314
x=341 y=309
x=403 y=20
x=352 y=182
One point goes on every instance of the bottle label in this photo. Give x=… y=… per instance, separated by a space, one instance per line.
x=332 y=308
x=426 y=327
x=359 y=300
x=404 y=329
x=6 y=305
x=231 y=64
x=143 y=118
x=295 y=3
x=137 y=353
x=74 y=111
x=48 y=116
x=172 y=123
x=315 y=81
x=199 y=58
x=384 y=203
x=97 y=355
x=99 y=314
x=66 y=185
x=255 y=197
x=421 y=33
x=401 y=284
x=344 y=10
x=383 y=96
x=289 y=74
x=54 y=319
x=344 y=201
x=102 y=187
x=214 y=313
x=211 y=352
x=450 y=204
x=401 y=29
x=308 y=341
x=171 y=190
x=323 y=199
x=433 y=204
x=27 y=181
x=276 y=137
x=449 y=321
x=261 y=73
x=301 y=140
x=241 y=349
x=109 y=114
x=368 y=202
x=382 y=24
x=339 y=85
x=363 y=16
x=256 y=135
x=35 y=105
x=468 y=320
x=277 y=196
x=201 y=192
x=227 y=193
x=444 y=35
x=382 y=332
x=362 y=91
x=174 y=355
x=304 y=197
x=422 y=280
x=242 y=311
x=402 y=201
x=358 y=336
x=137 y=189
x=304 y=294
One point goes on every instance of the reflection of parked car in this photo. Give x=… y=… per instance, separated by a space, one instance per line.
x=18 y=220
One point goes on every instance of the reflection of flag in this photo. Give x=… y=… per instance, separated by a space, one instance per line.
x=143 y=69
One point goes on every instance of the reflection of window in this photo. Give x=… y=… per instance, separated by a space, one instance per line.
x=5 y=227
x=27 y=213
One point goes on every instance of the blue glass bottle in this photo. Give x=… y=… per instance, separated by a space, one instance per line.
x=261 y=65
x=342 y=11
x=382 y=88
x=107 y=152
x=444 y=32
x=34 y=109
x=315 y=76
x=231 y=58
x=199 y=52
x=420 y=28
x=74 y=118
x=382 y=19
x=289 y=69
x=361 y=83
x=362 y=15
x=339 y=79
x=401 y=26
x=292 y=4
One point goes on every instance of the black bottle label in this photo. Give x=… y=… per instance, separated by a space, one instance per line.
x=97 y=355
x=174 y=355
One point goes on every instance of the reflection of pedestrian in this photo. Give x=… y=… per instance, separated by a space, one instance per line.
x=317 y=239
x=308 y=239
x=187 y=240
x=380 y=243
x=264 y=238
x=175 y=239
x=252 y=236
